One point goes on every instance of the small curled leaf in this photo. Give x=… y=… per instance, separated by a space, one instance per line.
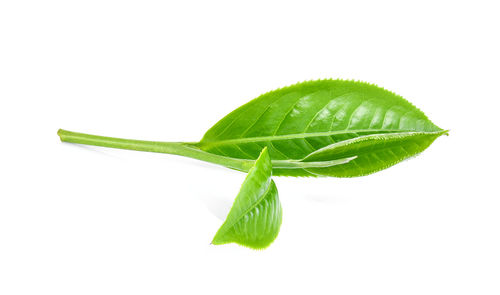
x=255 y=217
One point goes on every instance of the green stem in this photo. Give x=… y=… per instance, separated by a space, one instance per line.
x=174 y=148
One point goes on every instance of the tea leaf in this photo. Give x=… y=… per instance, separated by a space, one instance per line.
x=315 y=128
x=296 y=122
x=373 y=152
x=255 y=218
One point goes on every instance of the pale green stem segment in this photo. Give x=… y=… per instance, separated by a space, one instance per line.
x=174 y=148
x=187 y=150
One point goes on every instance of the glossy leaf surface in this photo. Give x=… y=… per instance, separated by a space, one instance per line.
x=373 y=152
x=316 y=128
x=255 y=217
x=308 y=122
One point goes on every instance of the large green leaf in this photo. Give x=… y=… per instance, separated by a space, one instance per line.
x=316 y=128
x=255 y=218
x=296 y=122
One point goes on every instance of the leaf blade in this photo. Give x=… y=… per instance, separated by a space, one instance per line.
x=255 y=217
x=296 y=121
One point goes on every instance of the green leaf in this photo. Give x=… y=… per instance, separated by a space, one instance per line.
x=298 y=121
x=373 y=152
x=316 y=128
x=255 y=218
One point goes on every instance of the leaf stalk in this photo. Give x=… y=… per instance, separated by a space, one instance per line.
x=173 y=148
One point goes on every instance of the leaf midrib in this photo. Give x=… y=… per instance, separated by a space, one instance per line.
x=296 y=136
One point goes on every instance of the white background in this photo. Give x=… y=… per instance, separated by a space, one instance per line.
x=84 y=220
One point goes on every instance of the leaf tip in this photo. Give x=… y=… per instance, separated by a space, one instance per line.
x=264 y=152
